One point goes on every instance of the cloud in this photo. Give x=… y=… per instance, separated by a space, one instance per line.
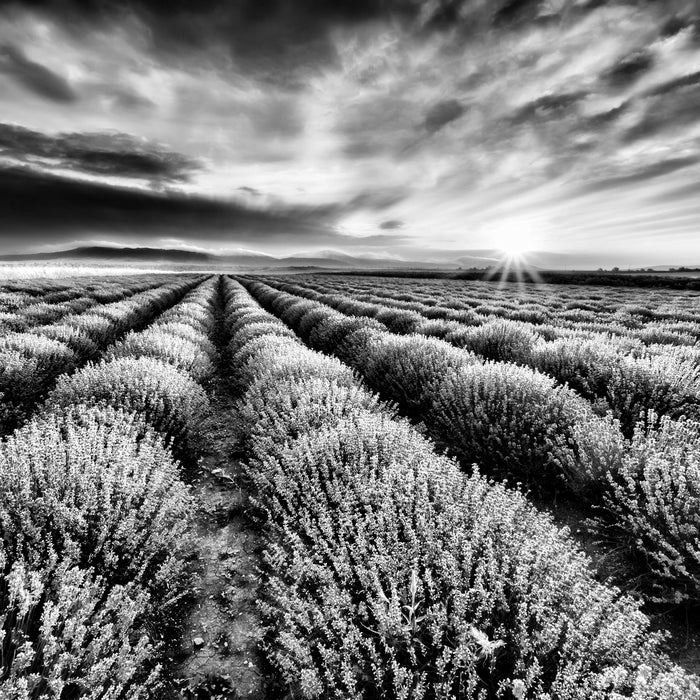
x=673 y=25
x=640 y=175
x=676 y=109
x=677 y=23
x=107 y=154
x=514 y=11
x=548 y=107
x=691 y=80
x=276 y=39
x=606 y=118
x=442 y=113
x=251 y=191
x=34 y=77
x=378 y=123
x=628 y=69
x=281 y=41
x=124 y=98
x=473 y=16
x=683 y=193
x=379 y=199
x=391 y=225
x=45 y=206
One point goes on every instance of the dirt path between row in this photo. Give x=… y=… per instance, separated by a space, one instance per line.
x=614 y=565
x=219 y=649
x=222 y=632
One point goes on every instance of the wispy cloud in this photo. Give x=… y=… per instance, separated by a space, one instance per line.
x=35 y=77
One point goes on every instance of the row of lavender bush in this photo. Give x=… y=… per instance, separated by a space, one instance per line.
x=30 y=361
x=624 y=377
x=50 y=302
x=96 y=517
x=516 y=423
x=650 y=316
x=390 y=573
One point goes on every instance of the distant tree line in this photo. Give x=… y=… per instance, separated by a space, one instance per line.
x=596 y=278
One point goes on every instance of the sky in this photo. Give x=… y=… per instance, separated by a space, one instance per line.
x=417 y=130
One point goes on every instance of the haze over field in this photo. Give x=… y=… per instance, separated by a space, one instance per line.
x=405 y=130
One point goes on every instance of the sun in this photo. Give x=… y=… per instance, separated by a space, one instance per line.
x=513 y=241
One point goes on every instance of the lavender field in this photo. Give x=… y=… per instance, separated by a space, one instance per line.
x=325 y=486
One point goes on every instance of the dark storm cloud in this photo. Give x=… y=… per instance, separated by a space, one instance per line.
x=678 y=23
x=673 y=25
x=108 y=153
x=515 y=11
x=274 y=38
x=476 y=15
x=279 y=40
x=44 y=206
x=628 y=69
x=391 y=225
x=442 y=113
x=33 y=76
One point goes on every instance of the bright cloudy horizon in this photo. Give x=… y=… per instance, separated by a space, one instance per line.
x=403 y=129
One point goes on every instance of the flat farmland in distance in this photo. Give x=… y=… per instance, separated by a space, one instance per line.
x=340 y=486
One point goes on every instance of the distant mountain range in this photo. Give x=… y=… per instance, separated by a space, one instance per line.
x=333 y=260
x=107 y=254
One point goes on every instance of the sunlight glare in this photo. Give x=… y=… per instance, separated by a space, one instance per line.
x=514 y=239
x=515 y=243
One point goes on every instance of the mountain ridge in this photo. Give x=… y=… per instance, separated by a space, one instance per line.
x=177 y=255
x=327 y=259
